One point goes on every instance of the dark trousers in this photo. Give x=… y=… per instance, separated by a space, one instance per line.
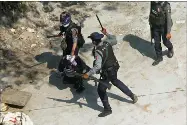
x=81 y=65
x=111 y=76
x=158 y=33
x=67 y=51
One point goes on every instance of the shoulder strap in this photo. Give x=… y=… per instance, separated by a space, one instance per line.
x=105 y=45
x=164 y=5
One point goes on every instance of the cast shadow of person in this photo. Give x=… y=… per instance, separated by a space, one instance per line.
x=90 y=94
x=49 y=58
x=143 y=46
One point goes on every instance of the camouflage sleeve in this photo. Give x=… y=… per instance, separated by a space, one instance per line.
x=111 y=39
x=98 y=63
x=168 y=18
x=74 y=34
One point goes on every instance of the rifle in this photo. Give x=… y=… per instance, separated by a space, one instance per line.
x=53 y=36
x=90 y=78
x=99 y=21
x=95 y=79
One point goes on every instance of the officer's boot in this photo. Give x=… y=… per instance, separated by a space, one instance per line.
x=158 y=60
x=170 y=53
x=107 y=109
x=105 y=113
x=134 y=98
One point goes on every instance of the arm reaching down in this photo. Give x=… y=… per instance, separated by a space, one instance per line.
x=168 y=20
x=75 y=39
x=97 y=65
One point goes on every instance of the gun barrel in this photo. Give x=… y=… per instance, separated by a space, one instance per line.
x=95 y=79
x=52 y=36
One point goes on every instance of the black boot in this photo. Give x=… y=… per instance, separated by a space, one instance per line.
x=105 y=113
x=134 y=98
x=170 y=53
x=157 y=61
x=80 y=87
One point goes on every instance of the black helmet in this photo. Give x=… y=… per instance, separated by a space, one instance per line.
x=65 y=19
x=96 y=37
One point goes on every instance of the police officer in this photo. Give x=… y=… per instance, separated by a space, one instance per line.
x=73 y=39
x=73 y=35
x=161 y=23
x=106 y=61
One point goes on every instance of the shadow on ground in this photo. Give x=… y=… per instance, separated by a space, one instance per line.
x=48 y=57
x=117 y=97
x=89 y=95
x=143 y=46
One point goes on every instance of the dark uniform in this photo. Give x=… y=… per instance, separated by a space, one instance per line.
x=73 y=36
x=106 y=62
x=161 y=23
x=81 y=67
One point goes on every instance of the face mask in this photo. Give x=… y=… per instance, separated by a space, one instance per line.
x=93 y=42
x=65 y=25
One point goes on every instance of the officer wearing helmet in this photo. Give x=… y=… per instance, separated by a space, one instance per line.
x=74 y=41
x=72 y=32
x=107 y=64
x=161 y=23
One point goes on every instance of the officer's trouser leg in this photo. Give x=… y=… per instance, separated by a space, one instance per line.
x=157 y=39
x=166 y=42
x=61 y=66
x=119 y=84
x=103 y=95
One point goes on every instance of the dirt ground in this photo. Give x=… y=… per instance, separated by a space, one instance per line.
x=29 y=61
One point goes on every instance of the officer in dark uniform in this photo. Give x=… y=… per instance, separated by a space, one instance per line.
x=107 y=64
x=161 y=23
x=72 y=32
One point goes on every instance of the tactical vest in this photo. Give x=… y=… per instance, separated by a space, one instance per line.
x=109 y=58
x=69 y=39
x=158 y=14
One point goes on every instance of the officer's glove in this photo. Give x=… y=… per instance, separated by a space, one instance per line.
x=104 y=31
x=85 y=76
x=168 y=36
